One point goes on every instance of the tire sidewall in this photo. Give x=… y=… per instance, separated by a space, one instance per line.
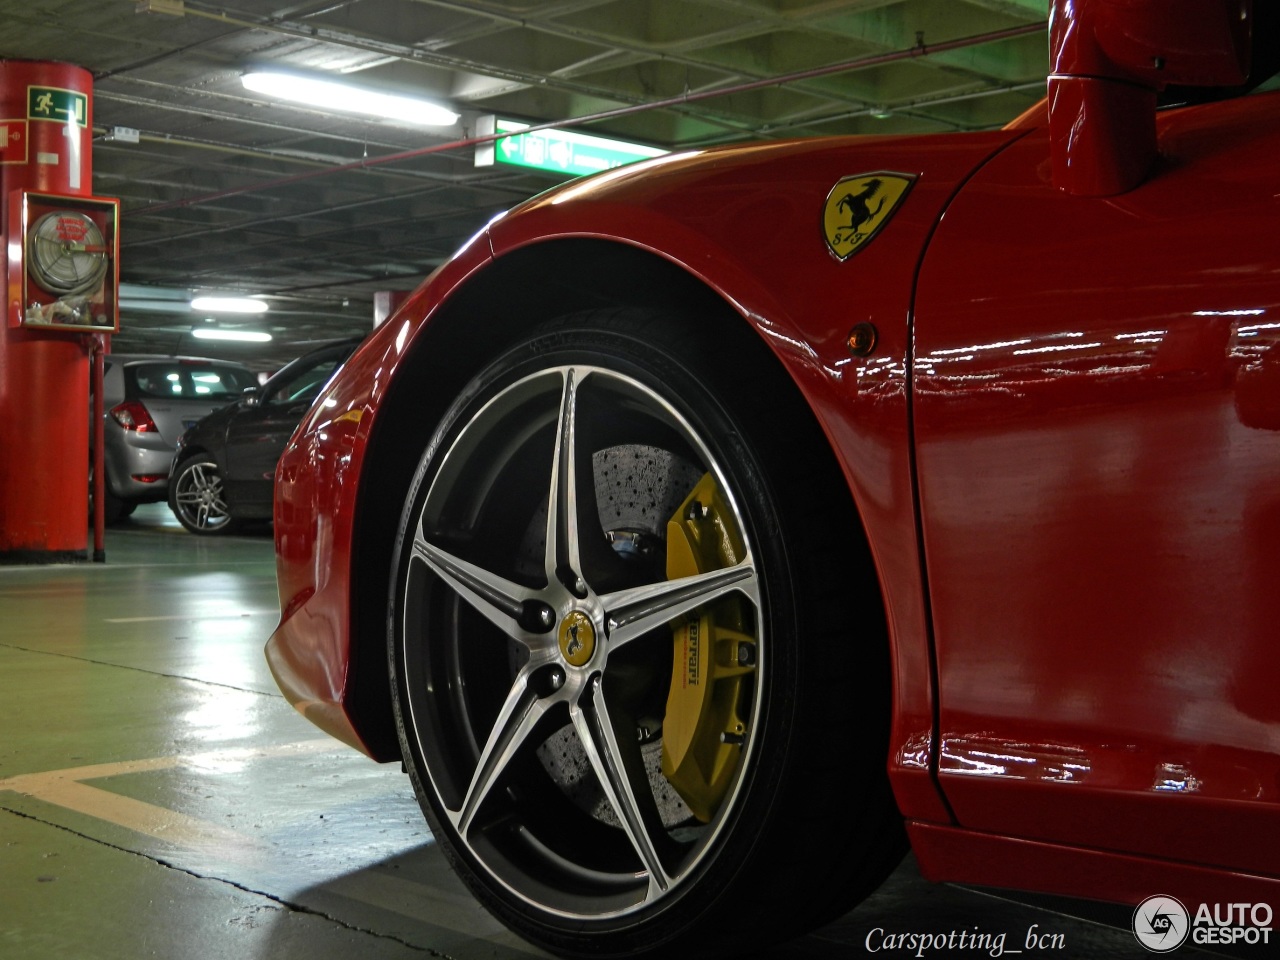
x=698 y=394
x=196 y=459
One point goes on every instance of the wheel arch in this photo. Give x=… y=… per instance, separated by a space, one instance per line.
x=194 y=450
x=496 y=306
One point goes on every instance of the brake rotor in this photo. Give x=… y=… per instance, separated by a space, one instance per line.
x=637 y=487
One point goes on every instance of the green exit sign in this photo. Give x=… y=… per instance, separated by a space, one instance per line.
x=61 y=106
x=563 y=152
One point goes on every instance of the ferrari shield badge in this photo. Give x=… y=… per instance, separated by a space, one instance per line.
x=857 y=207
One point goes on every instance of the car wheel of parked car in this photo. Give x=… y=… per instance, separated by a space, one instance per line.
x=113 y=508
x=196 y=496
x=640 y=665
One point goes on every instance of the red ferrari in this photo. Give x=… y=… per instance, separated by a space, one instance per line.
x=745 y=514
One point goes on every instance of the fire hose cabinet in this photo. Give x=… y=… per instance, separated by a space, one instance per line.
x=63 y=270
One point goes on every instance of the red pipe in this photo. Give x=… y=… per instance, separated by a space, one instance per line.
x=97 y=349
x=876 y=60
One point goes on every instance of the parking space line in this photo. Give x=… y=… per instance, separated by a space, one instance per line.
x=188 y=616
x=145 y=818
x=66 y=788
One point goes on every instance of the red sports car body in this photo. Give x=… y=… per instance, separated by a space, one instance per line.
x=1044 y=365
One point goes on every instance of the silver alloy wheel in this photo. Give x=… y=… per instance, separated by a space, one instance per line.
x=197 y=497
x=537 y=646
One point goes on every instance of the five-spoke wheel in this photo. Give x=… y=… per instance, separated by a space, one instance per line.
x=594 y=699
x=196 y=496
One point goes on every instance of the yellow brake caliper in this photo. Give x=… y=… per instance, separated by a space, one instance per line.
x=715 y=658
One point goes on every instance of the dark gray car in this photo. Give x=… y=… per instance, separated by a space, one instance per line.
x=225 y=465
x=148 y=401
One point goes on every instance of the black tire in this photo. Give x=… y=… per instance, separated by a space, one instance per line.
x=196 y=496
x=113 y=508
x=627 y=846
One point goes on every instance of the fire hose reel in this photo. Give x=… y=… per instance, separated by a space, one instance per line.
x=66 y=275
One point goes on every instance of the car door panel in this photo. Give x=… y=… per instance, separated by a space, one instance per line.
x=255 y=437
x=1098 y=461
x=260 y=429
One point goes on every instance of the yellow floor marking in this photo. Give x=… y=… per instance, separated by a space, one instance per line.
x=424 y=902
x=25 y=781
x=144 y=818
x=66 y=789
x=193 y=617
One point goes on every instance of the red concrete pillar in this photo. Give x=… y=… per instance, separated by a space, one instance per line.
x=44 y=375
x=387 y=302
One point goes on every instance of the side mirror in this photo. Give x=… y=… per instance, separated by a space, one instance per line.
x=250 y=397
x=1109 y=59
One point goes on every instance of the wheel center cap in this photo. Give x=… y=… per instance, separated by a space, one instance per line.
x=577 y=638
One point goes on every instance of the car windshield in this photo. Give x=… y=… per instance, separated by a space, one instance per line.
x=305 y=384
x=187 y=380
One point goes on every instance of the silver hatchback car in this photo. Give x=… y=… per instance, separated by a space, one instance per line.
x=147 y=404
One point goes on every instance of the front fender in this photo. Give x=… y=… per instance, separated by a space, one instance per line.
x=745 y=223
x=748 y=223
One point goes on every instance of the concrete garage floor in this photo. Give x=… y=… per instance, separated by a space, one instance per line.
x=158 y=797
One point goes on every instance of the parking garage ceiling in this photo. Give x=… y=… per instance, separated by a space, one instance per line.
x=225 y=190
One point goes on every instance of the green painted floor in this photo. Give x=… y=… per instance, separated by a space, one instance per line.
x=158 y=797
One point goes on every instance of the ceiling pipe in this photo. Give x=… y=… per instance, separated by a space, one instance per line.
x=916 y=108
x=411 y=54
x=207 y=113
x=317 y=161
x=911 y=53
x=560 y=79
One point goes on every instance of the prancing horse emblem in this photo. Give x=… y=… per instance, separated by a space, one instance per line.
x=857 y=207
x=577 y=638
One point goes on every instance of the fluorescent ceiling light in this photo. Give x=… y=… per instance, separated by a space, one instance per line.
x=332 y=95
x=243 y=336
x=229 y=305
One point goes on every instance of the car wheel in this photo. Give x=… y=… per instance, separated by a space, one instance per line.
x=113 y=508
x=196 y=496
x=641 y=703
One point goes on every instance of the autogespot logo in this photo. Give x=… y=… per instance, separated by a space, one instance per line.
x=1161 y=924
